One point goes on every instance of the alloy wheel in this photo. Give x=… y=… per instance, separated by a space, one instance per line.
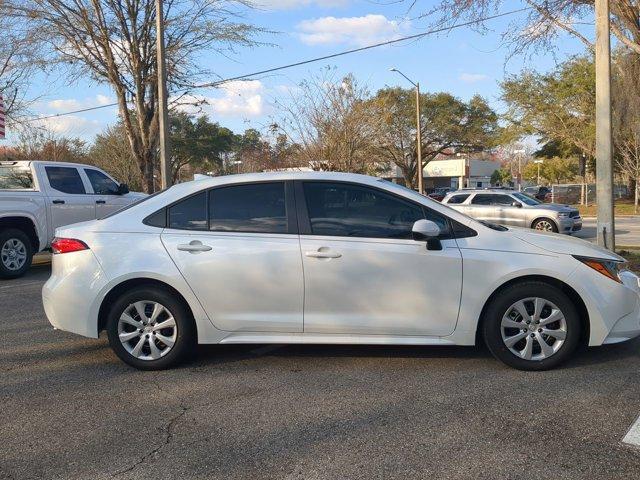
x=13 y=254
x=147 y=330
x=533 y=328
x=544 y=225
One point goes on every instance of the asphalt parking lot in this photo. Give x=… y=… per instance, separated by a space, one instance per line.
x=72 y=410
x=627 y=231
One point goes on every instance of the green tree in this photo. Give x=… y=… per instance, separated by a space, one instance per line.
x=552 y=170
x=198 y=143
x=111 y=152
x=558 y=106
x=501 y=176
x=449 y=125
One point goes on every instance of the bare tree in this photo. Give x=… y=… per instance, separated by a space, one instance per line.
x=113 y=41
x=626 y=118
x=546 y=19
x=330 y=121
x=18 y=60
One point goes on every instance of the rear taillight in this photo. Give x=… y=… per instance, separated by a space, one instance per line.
x=67 y=245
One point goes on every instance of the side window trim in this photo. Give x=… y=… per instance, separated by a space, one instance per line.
x=305 y=223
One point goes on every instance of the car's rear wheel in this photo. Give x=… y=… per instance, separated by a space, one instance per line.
x=532 y=326
x=16 y=253
x=545 y=224
x=150 y=329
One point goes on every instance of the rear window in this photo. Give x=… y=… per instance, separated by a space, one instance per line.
x=458 y=198
x=15 y=178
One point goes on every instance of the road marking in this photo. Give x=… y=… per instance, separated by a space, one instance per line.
x=5 y=287
x=633 y=435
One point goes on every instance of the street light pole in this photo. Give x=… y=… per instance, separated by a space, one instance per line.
x=604 y=157
x=163 y=113
x=418 y=131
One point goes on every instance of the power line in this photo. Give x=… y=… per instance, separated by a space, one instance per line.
x=304 y=62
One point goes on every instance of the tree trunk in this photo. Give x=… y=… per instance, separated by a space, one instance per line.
x=635 y=199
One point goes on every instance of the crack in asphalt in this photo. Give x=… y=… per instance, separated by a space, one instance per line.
x=168 y=436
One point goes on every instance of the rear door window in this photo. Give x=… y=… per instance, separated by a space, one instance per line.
x=65 y=180
x=257 y=208
x=457 y=199
x=190 y=213
x=482 y=199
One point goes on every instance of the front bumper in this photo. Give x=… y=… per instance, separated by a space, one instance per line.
x=69 y=294
x=613 y=307
x=569 y=225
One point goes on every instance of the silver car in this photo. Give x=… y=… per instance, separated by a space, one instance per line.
x=509 y=207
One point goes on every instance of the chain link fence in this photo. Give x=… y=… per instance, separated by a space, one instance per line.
x=580 y=193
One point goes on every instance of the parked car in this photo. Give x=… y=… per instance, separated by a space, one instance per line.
x=439 y=193
x=318 y=257
x=508 y=207
x=36 y=197
x=540 y=193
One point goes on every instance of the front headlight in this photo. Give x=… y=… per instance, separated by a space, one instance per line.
x=608 y=268
x=563 y=214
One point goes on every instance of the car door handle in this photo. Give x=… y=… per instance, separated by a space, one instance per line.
x=101 y=202
x=322 y=254
x=194 y=246
x=58 y=202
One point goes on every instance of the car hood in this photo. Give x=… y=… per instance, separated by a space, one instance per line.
x=557 y=243
x=554 y=207
x=135 y=195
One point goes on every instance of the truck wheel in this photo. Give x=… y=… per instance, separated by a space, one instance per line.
x=16 y=253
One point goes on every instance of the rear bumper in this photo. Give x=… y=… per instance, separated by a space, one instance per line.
x=69 y=294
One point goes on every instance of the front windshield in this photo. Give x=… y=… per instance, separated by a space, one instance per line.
x=524 y=198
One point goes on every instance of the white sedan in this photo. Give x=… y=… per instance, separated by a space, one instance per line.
x=330 y=258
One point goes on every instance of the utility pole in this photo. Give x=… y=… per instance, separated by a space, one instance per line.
x=419 y=140
x=163 y=113
x=418 y=131
x=604 y=157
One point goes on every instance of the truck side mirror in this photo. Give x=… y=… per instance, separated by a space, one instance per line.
x=123 y=189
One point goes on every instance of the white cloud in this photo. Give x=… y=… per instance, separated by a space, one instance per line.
x=67 y=104
x=239 y=99
x=290 y=4
x=72 y=126
x=357 y=31
x=473 y=77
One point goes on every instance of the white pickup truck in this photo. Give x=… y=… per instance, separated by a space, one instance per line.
x=36 y=197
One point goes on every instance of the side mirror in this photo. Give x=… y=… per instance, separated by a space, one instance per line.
x=425 y=230
x=123 y=189
x=516 y=204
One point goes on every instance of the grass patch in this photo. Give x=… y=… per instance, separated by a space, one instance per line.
x=633 y=257
x=621 y=207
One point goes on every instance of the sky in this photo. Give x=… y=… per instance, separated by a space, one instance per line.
x=463 y=61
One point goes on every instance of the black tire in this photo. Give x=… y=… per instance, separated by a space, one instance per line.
x=539 y=221
x=12 y=235
x=501 y=305
x=185 y=340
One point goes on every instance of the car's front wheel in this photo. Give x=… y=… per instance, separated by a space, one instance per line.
x=16 y=253
x=150 y=329
x=532 y=326
x=545 y=224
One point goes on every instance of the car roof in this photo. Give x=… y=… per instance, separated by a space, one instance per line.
x=482 y=190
